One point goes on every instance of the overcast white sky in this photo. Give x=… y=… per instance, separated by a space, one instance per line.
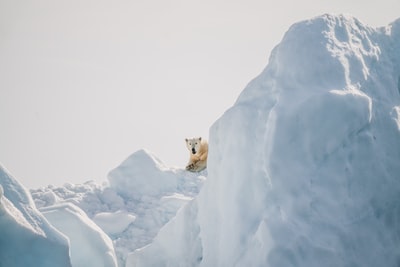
x=85 y=83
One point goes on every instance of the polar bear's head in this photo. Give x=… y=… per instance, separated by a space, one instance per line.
x=193 y=144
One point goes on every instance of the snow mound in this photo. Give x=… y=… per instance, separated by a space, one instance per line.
x=304 y=168
x=27 y=239
x=142 y=174
x=129 y=210
x=89 y=245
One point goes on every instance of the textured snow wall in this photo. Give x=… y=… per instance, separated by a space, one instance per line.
x=304 y=169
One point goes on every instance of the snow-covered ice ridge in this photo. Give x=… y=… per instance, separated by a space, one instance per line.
x=26 y=237
x=141 y=196
x=304 y=169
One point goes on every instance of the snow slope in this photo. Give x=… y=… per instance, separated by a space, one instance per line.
x=27 y=239
x=304 y=169
x=142 y=195
x=89 y=245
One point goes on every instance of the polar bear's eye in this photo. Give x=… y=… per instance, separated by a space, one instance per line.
x=196 y=143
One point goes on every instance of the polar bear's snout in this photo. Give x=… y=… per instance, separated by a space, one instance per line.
x=193 y=150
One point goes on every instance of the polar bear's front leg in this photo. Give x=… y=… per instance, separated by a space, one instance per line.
x=196 y=166
x=190 y=166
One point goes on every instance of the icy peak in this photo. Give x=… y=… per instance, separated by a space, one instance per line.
x=144 y=159
x=326 y=53
x=142 y=174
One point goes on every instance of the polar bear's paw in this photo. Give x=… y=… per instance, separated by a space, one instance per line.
x=190 y=167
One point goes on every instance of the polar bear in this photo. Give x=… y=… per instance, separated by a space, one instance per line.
x=198 y=149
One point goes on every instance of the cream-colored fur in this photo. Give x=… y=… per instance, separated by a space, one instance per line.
x=198 y=149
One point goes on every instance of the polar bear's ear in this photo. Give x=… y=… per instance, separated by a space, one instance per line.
x=199 y=138
x=186 y=140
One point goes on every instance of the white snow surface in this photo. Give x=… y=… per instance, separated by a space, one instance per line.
x=304 y=169
x=114 y=222
x=144 y=171
x=26 y=237
x=143 y=194
x=89 y=245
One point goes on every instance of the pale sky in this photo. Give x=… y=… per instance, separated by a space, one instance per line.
x=85 y=83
